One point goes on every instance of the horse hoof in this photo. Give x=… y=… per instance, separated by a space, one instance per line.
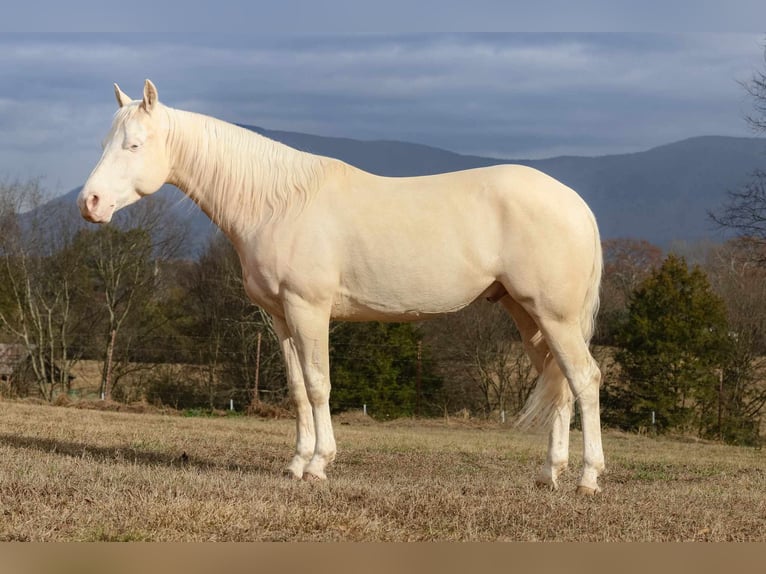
x=587 y=491
x=309 y=477
x=289 y=474
x=546 y=484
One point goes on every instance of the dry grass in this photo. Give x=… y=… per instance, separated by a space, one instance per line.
x=72 y=474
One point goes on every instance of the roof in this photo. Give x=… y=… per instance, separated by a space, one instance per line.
x=10 y=357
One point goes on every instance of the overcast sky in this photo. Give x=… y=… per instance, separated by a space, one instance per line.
x=516 y=95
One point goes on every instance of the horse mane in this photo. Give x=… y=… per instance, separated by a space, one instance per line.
x=240 y=178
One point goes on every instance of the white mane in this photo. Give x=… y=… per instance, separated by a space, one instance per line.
x=237 y=176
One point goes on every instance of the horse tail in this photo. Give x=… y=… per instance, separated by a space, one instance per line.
x=592 y=297
x=552 y=393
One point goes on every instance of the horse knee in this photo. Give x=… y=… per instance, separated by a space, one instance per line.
x=318 y=388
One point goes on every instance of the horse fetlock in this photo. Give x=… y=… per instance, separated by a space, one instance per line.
x=297 y=466
x=316 y=467
x=589 y=480
x=547 y=479
x=546 y=483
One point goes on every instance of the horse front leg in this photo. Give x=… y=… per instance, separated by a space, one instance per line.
x=304 y=422
x=309 y=326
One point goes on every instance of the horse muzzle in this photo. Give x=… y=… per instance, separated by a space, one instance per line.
x=93 y=208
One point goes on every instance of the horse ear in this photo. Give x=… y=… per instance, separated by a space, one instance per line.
x=150 y=96
x=122 y=98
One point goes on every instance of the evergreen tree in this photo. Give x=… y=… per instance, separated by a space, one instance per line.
x=382 y=365
x=674 y=343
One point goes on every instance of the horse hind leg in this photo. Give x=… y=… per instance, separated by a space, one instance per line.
x=553 y=397
x=570 y=350
x=534 y=342
x=551 y=388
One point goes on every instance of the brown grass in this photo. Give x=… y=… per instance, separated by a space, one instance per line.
x=71 y=474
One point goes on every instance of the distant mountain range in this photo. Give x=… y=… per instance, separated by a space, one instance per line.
x=661 y=195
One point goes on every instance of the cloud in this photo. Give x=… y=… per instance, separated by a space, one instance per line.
x=336 y=17
x=507 y=95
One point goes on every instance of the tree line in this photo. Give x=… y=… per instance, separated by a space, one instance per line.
x=681 y=344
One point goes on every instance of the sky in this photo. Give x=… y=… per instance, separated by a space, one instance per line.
x=517 y=95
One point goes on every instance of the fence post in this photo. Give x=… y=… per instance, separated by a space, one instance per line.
x=418 y=378
x=256 y=397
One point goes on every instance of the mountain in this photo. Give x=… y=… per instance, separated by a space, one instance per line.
x=662 y=194
x=665 y=193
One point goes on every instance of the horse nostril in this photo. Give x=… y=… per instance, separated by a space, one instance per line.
x=92 y=202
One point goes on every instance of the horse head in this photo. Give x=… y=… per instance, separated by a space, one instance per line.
x=134 y=162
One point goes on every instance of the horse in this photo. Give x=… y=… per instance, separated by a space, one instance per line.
x=321 y=240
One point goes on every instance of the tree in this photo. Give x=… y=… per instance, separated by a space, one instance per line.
x=383 y=365
x=38 y=282
x=745 y=210
x=627 y=262
x=675 y=342
x=124 y=262
x=482 y=360
x=223 y=330
x=756 y=89
x=738 y=277
x=122 y=268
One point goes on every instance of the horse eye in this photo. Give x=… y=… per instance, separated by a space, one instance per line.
x=134 y=147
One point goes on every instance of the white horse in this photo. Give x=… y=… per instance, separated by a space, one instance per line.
x=319 y=239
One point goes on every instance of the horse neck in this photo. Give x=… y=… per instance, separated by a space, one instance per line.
x=238 y=178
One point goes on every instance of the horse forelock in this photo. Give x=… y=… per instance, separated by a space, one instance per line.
x=119 y=119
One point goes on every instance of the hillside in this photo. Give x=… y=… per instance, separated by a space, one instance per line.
x=662 y=194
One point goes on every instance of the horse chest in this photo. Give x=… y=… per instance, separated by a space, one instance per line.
x=260 y=284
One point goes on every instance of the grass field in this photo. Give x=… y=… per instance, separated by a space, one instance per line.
x=72 y=474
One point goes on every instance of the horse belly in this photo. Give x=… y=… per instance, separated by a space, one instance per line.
x=350 y=308
x=429 y=261
x=399 y=295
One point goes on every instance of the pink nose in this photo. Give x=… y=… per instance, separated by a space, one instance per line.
x=88 y=205
x=91 y=202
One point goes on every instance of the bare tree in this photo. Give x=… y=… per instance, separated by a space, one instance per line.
x=39 y=276
x=125 y=261
x=121 y=262
x=745 y=209
x=736 y=273
x=756 y=89
x=227 y=326
x=480 y=353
